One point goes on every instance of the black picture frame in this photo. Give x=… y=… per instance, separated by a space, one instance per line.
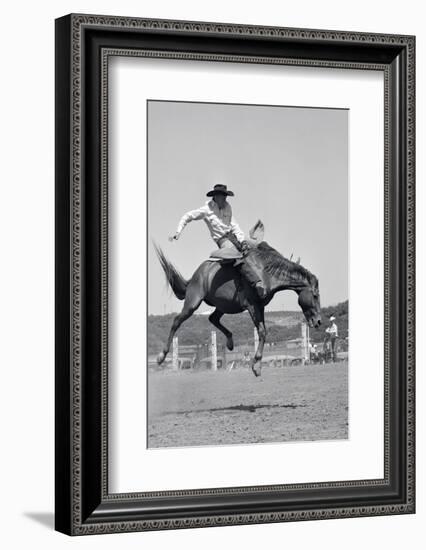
x=83 y=504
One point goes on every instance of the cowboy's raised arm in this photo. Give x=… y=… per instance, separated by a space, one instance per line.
x=191 y=216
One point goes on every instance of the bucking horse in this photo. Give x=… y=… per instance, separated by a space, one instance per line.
x=221 y=285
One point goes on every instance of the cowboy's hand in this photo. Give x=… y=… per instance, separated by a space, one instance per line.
x=174 y=237
x=244 y=246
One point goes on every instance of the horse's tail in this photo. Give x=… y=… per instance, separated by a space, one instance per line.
x=174 y=278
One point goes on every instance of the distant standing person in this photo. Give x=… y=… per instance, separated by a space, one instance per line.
x=331 y=333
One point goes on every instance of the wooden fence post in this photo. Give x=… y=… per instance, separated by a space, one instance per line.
x=214 y=351
x=175 y=355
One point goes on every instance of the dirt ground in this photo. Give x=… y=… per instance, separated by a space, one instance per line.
x=221 y=408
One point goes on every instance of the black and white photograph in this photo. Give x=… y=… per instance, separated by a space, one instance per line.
x=212 y=248
x=248 y=292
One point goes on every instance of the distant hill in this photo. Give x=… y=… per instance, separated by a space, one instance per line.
x=281 y=326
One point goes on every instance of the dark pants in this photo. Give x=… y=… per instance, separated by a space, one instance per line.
x=252 y=273
x=332 y=340
x=247 y=265
x=333 y=347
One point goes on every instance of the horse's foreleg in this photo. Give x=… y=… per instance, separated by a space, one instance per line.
x=257 y=314
x=214 y=319
x=257 y=360
x=193 y=300
x=261 y=330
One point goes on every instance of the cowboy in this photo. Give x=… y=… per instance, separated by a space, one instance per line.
x=224 y=229
x=331 y=334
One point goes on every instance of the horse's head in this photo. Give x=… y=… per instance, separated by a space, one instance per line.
x=283 y=274
x=309 y=301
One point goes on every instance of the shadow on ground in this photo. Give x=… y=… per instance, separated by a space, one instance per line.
x=245 y=408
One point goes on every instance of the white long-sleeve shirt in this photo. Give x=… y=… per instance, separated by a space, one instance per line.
x=332 y=330
x=218 y=220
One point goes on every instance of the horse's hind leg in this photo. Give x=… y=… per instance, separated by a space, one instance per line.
x=214 y=319
x=192 y=302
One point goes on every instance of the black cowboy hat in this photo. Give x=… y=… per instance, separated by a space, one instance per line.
x=220 y=190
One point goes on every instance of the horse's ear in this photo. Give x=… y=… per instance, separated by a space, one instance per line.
x=257 y=231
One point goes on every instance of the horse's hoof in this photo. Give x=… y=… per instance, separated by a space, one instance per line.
x=160 y=358
x=256 y=371
x=230 y=344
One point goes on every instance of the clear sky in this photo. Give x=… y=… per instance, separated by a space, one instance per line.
x=287 y=166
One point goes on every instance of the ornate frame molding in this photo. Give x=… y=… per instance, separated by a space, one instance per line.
x=72 y=46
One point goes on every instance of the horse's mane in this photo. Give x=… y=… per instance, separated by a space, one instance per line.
x=275 y=263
